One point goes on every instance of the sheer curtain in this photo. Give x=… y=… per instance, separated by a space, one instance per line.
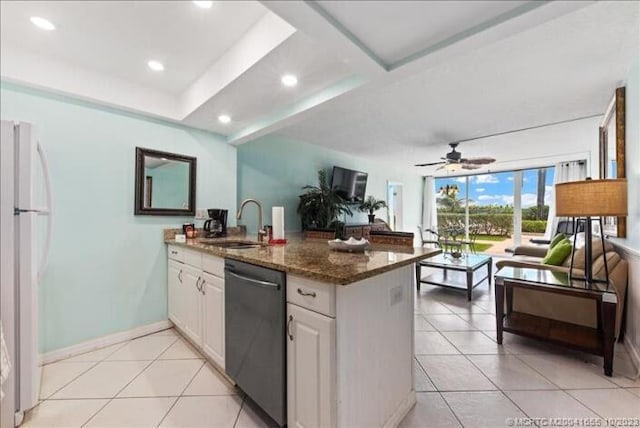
x=565 y=171
x=429 y=212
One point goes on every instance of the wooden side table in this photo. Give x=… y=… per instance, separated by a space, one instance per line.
x=598 y=341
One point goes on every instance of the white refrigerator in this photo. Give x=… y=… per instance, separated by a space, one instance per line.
x=25 y=237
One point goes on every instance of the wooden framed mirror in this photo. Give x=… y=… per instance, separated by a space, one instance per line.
x=612 y=154
x=165 y=183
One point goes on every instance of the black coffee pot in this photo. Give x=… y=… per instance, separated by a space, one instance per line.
x=216 y=225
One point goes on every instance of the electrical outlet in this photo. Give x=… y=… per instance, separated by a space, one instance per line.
x=201 y=214
x=395 y=295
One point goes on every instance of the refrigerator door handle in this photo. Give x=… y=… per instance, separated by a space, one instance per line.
x=47 y=211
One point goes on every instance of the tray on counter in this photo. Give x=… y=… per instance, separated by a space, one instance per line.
x=351 y=245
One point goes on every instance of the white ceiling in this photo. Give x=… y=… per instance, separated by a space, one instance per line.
x=563 y=69
x=383 y=79
x=255 y=94
x=394 y=30
x=117 y=38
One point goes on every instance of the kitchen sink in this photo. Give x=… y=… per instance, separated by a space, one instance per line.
x=233 y=245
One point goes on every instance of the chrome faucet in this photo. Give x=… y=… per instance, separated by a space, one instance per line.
x=261 y=232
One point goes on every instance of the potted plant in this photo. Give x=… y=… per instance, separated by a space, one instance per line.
x=371 y=204
x=321 y=205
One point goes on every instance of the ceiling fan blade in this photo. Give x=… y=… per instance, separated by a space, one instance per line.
x=470 y=166
x=429 y=164
x=478 y=161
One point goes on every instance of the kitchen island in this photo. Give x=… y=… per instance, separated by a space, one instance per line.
x=349 y=330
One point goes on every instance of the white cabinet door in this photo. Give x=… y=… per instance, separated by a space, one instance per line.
x=213 y=317
x=191 y=303
x=311 y=368
x=174 y=292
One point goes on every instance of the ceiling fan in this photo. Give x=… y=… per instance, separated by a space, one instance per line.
x=454 y=161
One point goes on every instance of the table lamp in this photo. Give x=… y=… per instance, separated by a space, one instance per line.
x=583 y=200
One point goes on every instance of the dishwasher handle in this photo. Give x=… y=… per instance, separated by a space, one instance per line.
x=265 y=284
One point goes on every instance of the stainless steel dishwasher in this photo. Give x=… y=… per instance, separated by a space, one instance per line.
x=255 y=313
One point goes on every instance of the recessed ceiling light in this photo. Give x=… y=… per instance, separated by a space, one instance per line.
x=155 y=65
x=289 y=80
x=223 y=118
x=42 y=23
x=204 y=4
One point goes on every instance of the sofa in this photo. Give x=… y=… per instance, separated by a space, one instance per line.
x=567 y=308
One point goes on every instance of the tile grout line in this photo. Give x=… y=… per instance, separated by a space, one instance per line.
x=487 y=377
x=122 y=344
x=483 y=374
x=415 y=357
x=109 y=400
x=48 y=398
x=450 y=409
x=496 y=385
x=95 y=363
x=584 y=404
x=244 y=400
x=204 y=363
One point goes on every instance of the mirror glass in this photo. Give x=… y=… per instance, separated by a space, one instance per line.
x=165 y=183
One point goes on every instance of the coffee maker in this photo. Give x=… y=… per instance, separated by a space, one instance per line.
x=216 y=225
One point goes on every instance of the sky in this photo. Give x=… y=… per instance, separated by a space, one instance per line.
x=497 y=188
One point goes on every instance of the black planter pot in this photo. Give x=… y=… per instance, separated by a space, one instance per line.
x=372 y=217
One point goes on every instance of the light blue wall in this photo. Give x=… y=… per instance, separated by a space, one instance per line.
x=274 y=169
x=107 y=271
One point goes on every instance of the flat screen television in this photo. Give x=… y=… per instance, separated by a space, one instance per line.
x=350 y=184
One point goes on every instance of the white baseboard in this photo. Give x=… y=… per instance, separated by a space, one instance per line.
x=402 y=411
x=634 y=354
x=101 y=342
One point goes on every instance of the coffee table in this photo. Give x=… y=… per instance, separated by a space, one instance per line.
x=598 y=340
x=468 y=264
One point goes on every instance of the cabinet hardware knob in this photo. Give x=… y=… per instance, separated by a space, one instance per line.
x=174 y=252
x=289 y=327
x=305 y=293
x=180 y=276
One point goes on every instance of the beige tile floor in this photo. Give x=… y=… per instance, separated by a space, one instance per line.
x=154 y=381
x=462 y=377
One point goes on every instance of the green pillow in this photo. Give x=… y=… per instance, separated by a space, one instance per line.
x=556 y=255
x=556 y=240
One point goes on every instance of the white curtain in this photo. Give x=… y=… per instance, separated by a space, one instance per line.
x=564 y=171
x=430 y=213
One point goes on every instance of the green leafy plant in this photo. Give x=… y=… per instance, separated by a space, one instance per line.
x=371 y=205
x=321 y=205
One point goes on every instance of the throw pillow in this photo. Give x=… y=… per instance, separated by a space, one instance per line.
x=556 y=240
x=556 y=255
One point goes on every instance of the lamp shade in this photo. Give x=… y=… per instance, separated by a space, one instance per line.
x=592 y=198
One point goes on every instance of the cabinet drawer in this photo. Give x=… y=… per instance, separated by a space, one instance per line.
x=193 y=258
x=175 y=253
x=313 y=295
x=213 y=265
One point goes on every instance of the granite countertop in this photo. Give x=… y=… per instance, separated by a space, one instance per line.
x=313 y=258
